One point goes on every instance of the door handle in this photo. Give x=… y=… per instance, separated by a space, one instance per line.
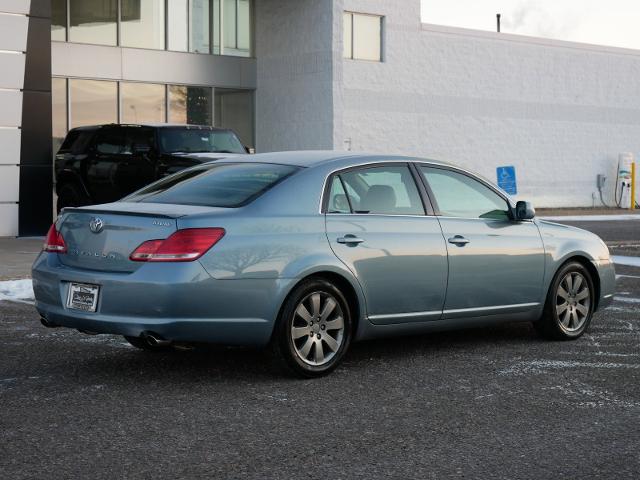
x=459 y=240
x=350 y=240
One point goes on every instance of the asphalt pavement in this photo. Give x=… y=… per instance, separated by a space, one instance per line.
x=487 y=403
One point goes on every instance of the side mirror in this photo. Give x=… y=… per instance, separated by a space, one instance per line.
x=250 y=150
x=525 y=211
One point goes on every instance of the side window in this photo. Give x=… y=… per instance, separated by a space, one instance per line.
x=138 y=139
x=338 y=202
x=459 y=195
x=111 y=141
x=385 y=190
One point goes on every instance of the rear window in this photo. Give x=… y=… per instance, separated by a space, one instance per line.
x=218 y=185
x=76 y=141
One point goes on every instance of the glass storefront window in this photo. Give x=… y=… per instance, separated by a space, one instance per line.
x=93 y=102
x=178 y=25
x=58 y=111
x=216 y=26
x=189 y=105
x=59 y=20
x=142 y=24
x=236 y=27
x=93 y=21
x=142 y=103
x=199 y=26
x=234 y=109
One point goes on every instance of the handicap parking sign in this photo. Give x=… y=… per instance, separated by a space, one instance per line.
x=507 y=179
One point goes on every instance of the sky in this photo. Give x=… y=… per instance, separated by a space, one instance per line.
x=611 y=22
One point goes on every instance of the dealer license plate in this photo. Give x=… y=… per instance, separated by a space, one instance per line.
x=83 y=297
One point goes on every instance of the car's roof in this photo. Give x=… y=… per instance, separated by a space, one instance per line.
x=311 y=158
x=154 y=125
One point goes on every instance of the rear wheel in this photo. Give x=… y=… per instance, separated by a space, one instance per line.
x=569 y=305
x=70 y=195
x=314 y=329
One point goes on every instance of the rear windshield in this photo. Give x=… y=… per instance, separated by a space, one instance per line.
x=185 y=140
x=218 y=185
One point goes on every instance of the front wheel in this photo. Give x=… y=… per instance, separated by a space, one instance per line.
x=313 y=332
x=569 y=305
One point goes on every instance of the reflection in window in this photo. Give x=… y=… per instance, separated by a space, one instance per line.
x=458 y=195
x=189 y=105
x=93 y=102
x=199 y=26
x=93 y=21
x=178 y=25
x=59 y=111
x=59 y=20
x=363 y=37
x=234 y=109
x=142 y=103
x=142 y=24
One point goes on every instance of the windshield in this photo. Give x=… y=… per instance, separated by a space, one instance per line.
x=218 y=185
x=185 y=140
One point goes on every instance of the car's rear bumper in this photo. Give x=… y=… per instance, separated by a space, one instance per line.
x=178 y=301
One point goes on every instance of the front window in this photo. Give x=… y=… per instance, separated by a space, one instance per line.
x=458 y=195
x=362 y=36
x=184 y=140
x=220 y=185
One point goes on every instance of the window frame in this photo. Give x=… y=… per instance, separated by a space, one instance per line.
x=422 y=193
x=460 y=171
x=352 y=15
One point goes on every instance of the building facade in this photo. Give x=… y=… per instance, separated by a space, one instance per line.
x=311 y=74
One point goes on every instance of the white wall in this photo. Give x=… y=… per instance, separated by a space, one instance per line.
x=13 y=43
x=294 y=105
x=559 y=111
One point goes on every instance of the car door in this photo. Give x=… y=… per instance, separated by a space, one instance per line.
x=377 y=225
x=136 y=167
x=496 y=264
x=102 y=162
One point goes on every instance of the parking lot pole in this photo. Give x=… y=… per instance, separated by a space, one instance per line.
x=633 y=185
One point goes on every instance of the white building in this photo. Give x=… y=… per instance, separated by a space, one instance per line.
x=285 y=76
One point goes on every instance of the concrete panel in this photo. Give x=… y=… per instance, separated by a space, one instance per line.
x=13 y=32
x=90 y=61
x=15 y=6
x=9 y=183
x=9 y=146
x=187 y=68
x=8 y=219
x=12 y=68
x=11 y=111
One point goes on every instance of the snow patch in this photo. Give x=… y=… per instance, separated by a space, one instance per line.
x=625 y=260
x=16 y=290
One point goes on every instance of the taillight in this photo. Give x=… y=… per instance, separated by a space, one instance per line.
x=182 y=246
x=54 y=243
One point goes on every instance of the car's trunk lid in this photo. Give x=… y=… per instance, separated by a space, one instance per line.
x=103 y=237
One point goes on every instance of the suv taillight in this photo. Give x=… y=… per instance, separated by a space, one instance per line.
x=54 y=243
x=182 y=246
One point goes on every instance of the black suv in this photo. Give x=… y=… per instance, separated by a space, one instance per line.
x=104 y=163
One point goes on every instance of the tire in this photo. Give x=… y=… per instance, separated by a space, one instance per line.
x=314 y=329
x=140 y=343
x=70 y=195
x=569 y=305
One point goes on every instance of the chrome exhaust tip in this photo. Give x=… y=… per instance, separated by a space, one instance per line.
x=47 y=323
x=155 y=340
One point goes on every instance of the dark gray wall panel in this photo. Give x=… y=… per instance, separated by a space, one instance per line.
x=36 y=203
x=40 y=8
x=37 y=74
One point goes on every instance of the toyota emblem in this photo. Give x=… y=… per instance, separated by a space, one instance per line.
x=96 y=225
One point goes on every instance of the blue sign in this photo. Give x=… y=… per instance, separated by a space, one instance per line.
x=507 y=179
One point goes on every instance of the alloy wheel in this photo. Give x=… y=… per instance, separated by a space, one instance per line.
x=573 y=301
x=317 y=330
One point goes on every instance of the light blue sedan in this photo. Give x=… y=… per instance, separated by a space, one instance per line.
x=309 y=251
